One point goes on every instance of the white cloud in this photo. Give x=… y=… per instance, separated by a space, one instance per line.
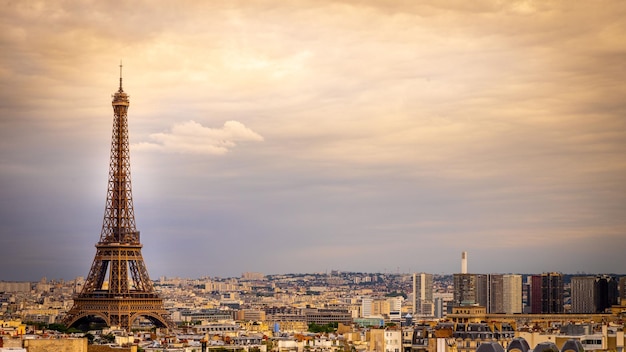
x=192 y=138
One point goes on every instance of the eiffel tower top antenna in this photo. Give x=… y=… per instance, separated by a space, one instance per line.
x=121 y=76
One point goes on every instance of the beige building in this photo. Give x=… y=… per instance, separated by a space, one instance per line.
x=292 y=326
x=603 y=340
x=12 y=328
x=252 y=276
x=477 y=314
x=512 y=294
x=15 y=286
x=376 y=340
x=381 y=307
x=56 y=345
x=251 y=315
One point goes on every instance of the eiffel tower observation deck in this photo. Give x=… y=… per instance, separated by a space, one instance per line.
x=118 y=289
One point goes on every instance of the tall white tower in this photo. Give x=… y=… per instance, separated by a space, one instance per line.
x=464 y=262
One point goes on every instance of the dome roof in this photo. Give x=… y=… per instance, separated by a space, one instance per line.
x=490 y=347
x=518 y=344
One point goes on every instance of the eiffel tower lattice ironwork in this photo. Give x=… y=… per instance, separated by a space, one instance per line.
x=118 y=288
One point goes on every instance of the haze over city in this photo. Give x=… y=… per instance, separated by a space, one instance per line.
x=307 y=136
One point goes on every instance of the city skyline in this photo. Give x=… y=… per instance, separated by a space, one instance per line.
x=311 y=136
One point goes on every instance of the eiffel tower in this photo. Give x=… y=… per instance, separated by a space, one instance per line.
x=118 y=288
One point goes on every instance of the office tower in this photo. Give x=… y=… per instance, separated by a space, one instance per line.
x=464 y=290
x=546 y=293
x=395 y=308
x=583 y=294
x=535 y=294
x=622 y=290
x=366 y=307
x=439 y=308
x=512 y=294
x=471 y=289
x=525 y=293
x=505 y=293
x=422 y=294
x=118 y=289
x=482 y=289
x=496 y=294
x=606 y=293
x=593 y=294
x=442 y=303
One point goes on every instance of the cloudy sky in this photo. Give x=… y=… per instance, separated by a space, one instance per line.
x=306 y=136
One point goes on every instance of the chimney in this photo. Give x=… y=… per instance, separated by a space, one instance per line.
x=464 y=262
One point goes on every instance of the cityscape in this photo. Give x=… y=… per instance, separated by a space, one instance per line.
x=338 y=311
x=461 y=196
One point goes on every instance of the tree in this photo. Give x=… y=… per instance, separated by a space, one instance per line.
x=108 y=338
x=326 y=328
x=90 y=338
x=396 y=294
x=57 y=327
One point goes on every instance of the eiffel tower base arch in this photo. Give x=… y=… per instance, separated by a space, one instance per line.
x=121 y=312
